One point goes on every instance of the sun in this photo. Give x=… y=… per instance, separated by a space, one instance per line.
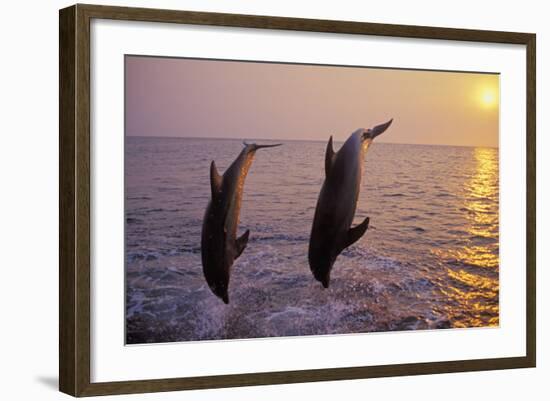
x=488 y=97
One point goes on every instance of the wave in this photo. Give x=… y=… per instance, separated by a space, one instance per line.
x=484 y=239
x=148 y=255
x=390 y=280
x=279 y=237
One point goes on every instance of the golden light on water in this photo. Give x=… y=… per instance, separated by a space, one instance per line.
x=481 y=194
x=484 y=289
x=477 y=290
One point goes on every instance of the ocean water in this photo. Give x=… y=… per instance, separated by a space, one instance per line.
x=429 y=260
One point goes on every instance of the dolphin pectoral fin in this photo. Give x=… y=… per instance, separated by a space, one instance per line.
x=215 y=180
x=241 y=243
x=357 y=232
x=329 y=156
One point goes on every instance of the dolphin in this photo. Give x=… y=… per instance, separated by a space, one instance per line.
x=331 y=232
x=219 y=243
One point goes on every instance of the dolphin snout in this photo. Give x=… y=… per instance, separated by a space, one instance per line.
x=225 y=298
x=220 y=290
x=222 y=293
x=321 y=272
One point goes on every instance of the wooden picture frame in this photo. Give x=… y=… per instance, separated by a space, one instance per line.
x=74 y=199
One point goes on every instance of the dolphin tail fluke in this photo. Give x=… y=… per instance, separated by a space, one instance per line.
x=379 y=129
x=356 y=232
x=241 y=243
x=256 y=147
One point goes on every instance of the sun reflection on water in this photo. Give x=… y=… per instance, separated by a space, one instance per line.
x=473 y=296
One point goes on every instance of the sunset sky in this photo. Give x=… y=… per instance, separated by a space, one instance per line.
x=207 y=98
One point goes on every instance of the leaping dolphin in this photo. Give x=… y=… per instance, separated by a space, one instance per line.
x=219 y=243
x=331 y=232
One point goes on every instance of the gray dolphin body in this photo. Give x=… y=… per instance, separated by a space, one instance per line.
x=219 y=243
x=332 y=232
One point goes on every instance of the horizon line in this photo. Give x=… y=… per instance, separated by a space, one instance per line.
x=303 y=140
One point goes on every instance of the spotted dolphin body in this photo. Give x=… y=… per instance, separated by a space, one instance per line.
x=219 y=243
x=331 y=232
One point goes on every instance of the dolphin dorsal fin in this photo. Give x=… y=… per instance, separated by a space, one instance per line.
x=356 y=232
x=215 y=180
x=329 y=157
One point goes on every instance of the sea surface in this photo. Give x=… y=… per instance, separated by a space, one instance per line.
x=429 y=260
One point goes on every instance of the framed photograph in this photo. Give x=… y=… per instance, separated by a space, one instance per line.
x=250 y=200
